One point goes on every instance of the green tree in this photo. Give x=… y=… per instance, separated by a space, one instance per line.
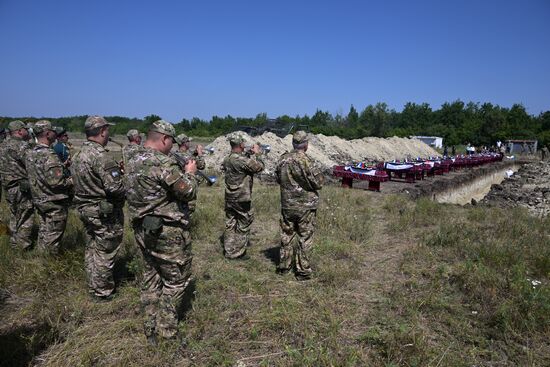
x=152 y=118
x=353 y=117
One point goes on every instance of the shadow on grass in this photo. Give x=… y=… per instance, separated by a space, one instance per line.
x=187 y=301
x=272 y=254
x=19 y=346
x=123 y=270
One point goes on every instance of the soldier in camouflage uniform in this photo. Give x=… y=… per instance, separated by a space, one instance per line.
x=134 y=143
x=544 y=153
x=300 y=181
x=16 y=184
x=183 y=142
x=99 y=196
x=63 y=149
x=156 y=187
x=239 y=168
x=50 y=188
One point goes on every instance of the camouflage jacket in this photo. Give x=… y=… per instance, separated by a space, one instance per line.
x=156 y=185
x=96 y=177
x=300 y=180
x=239 y=171
x=129 y=151
x=47 y=180
x=198 y=158
x=12 y=162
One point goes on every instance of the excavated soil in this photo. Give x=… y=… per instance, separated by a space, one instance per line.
x=326 y=150
x=528 y=188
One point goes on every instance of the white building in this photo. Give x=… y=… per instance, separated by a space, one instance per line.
x=433 y=141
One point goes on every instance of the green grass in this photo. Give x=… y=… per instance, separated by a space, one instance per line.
x=397 y=283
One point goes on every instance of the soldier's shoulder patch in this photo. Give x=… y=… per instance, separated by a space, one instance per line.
x=114 y=172
x=181 y=185
x=56 y=171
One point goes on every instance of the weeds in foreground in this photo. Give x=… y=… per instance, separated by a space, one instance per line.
x=461 y=295
x=480 y=282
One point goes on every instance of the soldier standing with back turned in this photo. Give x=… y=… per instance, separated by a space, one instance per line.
x=134 y=144
x=300 y=181
x=50 y=186
x=184 y=148
x=99 y=196
x=239 y=168
x=63 y=149
x=544 y=153
x=16 y=184
x=183 y=143
x=157 y=187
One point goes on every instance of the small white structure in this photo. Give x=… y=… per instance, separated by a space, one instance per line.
x=433 y=141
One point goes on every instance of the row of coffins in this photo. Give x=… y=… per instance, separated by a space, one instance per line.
x=409 y=170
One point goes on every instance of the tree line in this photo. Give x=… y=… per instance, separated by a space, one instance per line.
x=457 y=122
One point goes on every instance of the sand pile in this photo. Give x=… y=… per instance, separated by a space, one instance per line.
x=326 y=150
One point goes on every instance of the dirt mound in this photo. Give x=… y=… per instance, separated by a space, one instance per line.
x=326 y=150
x=529 y=188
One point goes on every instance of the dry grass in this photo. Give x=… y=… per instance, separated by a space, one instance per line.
x=396 y=283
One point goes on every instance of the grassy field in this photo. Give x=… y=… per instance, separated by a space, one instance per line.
x=397 y=283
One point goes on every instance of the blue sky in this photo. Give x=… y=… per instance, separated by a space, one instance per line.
x=181 y=59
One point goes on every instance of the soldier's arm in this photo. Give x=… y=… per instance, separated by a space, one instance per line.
x=55 y=176
x=17 y=155
x=254 y=164
x=307 y=174
x=278 y=171
x=111 y=175
x=313 y=174
x=182 y=185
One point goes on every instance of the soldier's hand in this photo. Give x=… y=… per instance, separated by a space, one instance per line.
x=67 y=163
x=191 y=166
x=256 y=148
x=199 y=149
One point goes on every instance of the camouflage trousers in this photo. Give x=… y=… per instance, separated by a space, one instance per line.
x=167 y=257
x=52 y=219
x=238 y=219
x=301 y=224
x=21 y=218
x=103 y=239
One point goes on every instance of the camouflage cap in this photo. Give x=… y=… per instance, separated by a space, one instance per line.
x=132 y=133
x=41 y=126
x=93 y=122
x=60 y=130
x=235 y=139
x=299 y=137
x=163 y=127
x=16 y=125
x=182 y=139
